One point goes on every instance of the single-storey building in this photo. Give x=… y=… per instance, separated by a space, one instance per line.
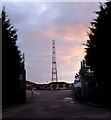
x=59 y=86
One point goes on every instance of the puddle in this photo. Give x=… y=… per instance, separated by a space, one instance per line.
x=72 y=102
x=68 y=98
x=37 y=93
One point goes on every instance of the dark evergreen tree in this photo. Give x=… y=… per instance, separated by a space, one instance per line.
x=98 y=50
x=11 y=62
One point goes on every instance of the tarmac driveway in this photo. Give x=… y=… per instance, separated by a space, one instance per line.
x=55 y=104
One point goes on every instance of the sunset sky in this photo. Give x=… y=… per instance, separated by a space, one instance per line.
x=39 y=23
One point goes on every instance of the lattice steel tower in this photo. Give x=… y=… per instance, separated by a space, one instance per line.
x=54 y=65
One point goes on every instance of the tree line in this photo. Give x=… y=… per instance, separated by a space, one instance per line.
x=98 y=50
x=13 y=71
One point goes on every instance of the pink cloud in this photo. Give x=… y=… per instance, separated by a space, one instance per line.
x=69 y=61
x=69 y=33
x=76 y=52
x=76 y=32
x=49 y=32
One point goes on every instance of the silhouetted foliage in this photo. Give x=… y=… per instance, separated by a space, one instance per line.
x=98 y=49
x=11 y=62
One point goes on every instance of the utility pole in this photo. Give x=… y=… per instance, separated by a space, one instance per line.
x=24 y=70
x=22 y=81
x=54 y=65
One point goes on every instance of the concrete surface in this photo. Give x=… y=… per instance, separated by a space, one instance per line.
x=55 y=104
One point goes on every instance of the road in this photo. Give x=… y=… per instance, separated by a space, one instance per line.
x=55 y=104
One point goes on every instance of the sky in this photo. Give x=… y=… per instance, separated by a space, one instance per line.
x=39 y=23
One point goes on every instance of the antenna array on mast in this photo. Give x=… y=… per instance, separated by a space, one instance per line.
x=54 y=65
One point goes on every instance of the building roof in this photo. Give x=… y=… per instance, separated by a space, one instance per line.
x=58 y=83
